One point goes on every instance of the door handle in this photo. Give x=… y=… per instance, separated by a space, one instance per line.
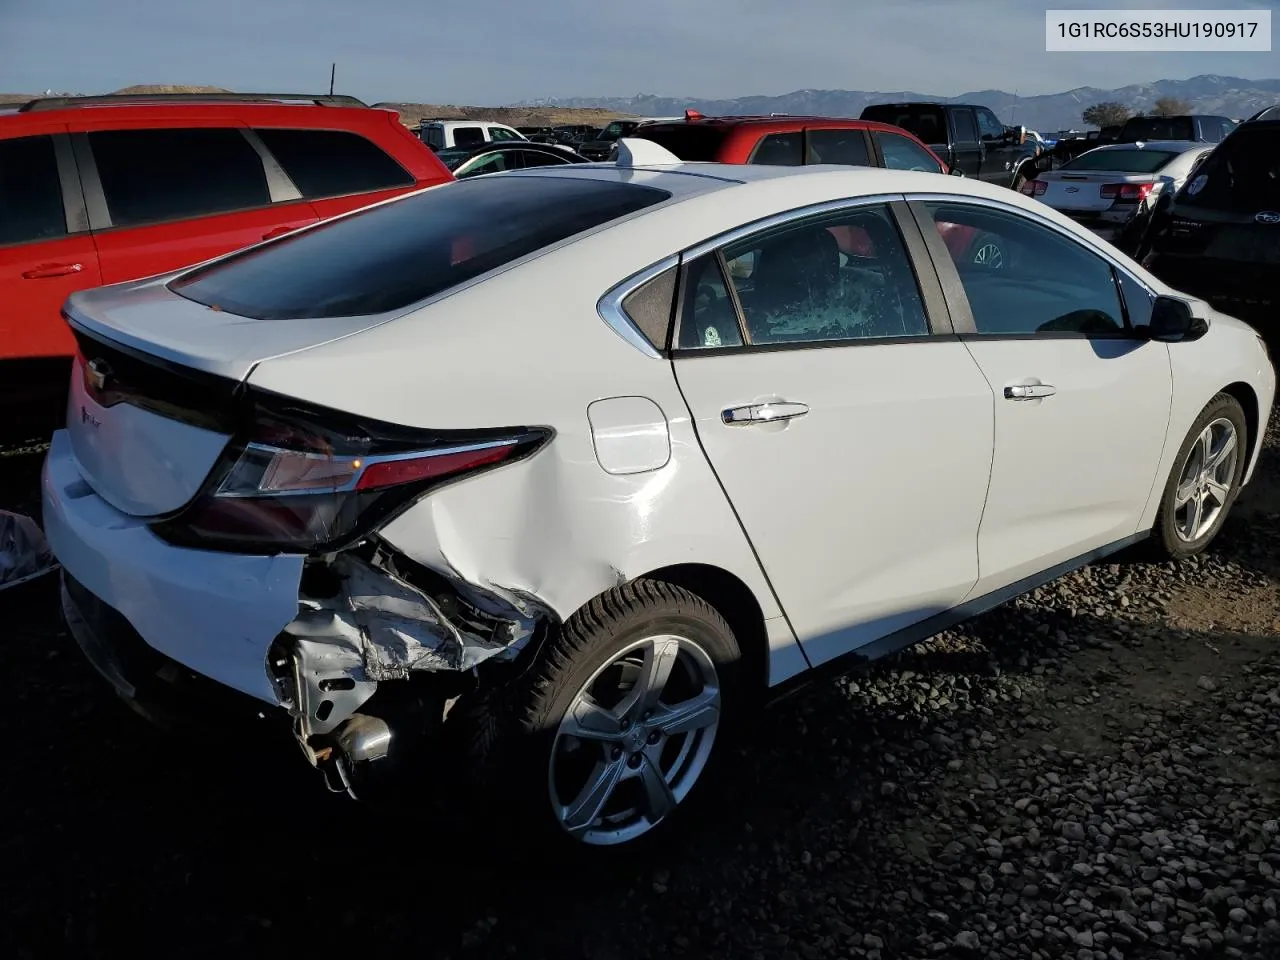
x=46 y=270
x=1029 y=391
x=768 y=412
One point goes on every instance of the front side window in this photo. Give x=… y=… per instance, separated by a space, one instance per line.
x=540 y=158
x=467 y=136
x=780 y=149
x=30 y=192
x=989 y=126
x=393 y=255
x=966 y=127
x=502 y=133
x=433 y=136
x=154 y=175
x=1024 y=278
x=333 y=163
x=845 y=276
x=903 y=154
x=927 y=122
x=494 y=162
x=838 y=146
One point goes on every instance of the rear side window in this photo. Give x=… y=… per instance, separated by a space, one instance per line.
x=690 y=142
x=838 y=146
x=331 y=163
x=433 y=136
x=154 y=175
x=391 y=256
x=467 y=136
x=30 y=194
x=1242 y=175
x=780 y=149
x=926 y=122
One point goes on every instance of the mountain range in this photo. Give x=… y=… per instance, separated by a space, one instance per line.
x=1225 y=96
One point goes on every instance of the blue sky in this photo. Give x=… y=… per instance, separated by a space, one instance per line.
x=502 y=51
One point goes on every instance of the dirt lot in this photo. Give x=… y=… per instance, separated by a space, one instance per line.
x=1090 y=772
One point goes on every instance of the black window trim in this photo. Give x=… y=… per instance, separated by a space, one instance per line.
x=96 y=198
x=958 y=300
x=934 y=304
x=270 y=159
x=75 y=215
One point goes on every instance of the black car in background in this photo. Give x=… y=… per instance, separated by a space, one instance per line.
x=466 y=162
x=1203 y=128
x=1218 y=238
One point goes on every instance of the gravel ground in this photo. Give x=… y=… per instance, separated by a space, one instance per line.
x=1091 y=772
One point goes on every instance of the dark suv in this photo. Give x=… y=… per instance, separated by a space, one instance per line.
x=1195 y=127
x=1219 y=238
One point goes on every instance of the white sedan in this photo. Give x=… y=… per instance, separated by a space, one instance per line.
x=576 y=467
x=1112 y=186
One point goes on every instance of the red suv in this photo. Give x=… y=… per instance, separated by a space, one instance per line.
x=791 y=141
x=98 y=190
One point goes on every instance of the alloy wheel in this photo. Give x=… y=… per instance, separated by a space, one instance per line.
x=989 y=255
x=634 y=740
x=1204 y=483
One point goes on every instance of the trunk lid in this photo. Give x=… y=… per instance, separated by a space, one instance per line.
x=155 y=389
x=1083 y=191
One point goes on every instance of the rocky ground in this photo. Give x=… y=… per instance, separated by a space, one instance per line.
x=1092 y=772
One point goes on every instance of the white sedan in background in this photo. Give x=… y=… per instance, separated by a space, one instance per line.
x=1112 y=187
x=575 y=467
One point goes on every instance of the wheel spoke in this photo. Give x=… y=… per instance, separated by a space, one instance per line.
x=1194 y=515
x=1204 y=443
x=658 y=799
x=660 y=656
x=1228 y=445
x=695 y=713
x=1219 y=491
x=1186 y=491
x=589 y=804
x=588 y=721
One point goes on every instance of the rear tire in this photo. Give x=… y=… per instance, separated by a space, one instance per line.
x=530 y=742
x=1205 y=480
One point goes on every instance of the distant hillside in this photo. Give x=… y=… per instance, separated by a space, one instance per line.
x=522 y=116
x=1228 y=96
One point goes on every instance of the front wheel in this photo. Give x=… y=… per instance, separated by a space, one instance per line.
x=1205 y=480
x=620 y=721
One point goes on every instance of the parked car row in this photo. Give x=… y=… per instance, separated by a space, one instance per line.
x=99 y=190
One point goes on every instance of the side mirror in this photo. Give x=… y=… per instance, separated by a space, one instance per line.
x=956 y=172
x=1173 y=322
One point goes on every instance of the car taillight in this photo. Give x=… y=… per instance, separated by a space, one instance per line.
x=1128 y=192
x=293 y=488
x=1034 y=188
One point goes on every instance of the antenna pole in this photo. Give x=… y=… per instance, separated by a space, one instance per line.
x=333 y=69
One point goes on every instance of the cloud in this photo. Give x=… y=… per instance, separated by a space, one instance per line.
x=494 y=51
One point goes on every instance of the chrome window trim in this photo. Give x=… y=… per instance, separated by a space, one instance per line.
x=781 y=219
x=1111 y=260
x=609 y=307
x=280 y=186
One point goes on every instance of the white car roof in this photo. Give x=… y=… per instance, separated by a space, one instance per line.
x=450 y=124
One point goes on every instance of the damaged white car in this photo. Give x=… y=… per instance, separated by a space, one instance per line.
x=586 y=463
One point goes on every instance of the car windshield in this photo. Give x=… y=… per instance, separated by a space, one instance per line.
x=1122 y=161
x=1242 y=175
x=390 y=256
x=928 y=123
x=1158 y=128
x=689 y=142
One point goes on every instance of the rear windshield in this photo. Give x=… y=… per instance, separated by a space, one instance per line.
x=690 y=142
x=391 y=256
x=929 y=124
x=1158 y=128
x=1126 y=161
x=1242 y=175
